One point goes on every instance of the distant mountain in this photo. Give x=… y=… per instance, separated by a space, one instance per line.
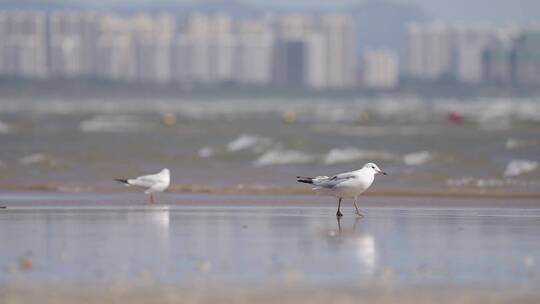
x=379 y=24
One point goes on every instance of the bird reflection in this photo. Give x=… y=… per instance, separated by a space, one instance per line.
x=355 y=223
x=362 y=242
x=356 y=220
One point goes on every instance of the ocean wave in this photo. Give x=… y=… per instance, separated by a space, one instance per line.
x=417 y=158
x=37 y=159
x=516 y=143
x=206 y=152
x=248 y=141
x=347 y=155
x=519 y=166
x=114 y=123
x=460 y=182
x=5 y=128
x=283 y=157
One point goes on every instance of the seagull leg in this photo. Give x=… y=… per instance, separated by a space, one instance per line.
x=152 y=198
x=338 y=213
x=358 y=214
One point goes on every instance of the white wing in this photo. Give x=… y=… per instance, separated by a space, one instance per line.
x=146 y=180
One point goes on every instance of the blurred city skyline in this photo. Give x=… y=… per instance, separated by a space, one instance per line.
x=320 y=45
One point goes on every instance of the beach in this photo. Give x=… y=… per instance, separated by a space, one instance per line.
x=241 y=248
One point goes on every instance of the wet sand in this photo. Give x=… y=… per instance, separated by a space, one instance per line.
x=210 y=248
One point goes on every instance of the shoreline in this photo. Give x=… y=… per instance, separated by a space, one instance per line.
x=258 y=189
x=287 y=292
x=36 y=198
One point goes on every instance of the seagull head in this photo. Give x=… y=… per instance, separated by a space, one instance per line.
x=375 y=168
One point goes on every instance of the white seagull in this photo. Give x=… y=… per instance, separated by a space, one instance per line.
x=158 y=182
x=344 y=185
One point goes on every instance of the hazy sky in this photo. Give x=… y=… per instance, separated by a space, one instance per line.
x=487 y=10
x=447 y=10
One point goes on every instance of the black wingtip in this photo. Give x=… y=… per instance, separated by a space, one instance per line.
x=305 y=180
x=123 y=181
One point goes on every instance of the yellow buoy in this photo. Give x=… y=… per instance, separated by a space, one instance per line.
x=289 y=116
x=363 y=117
x=169 y=119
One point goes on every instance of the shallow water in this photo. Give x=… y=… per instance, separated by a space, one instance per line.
x=255 y=240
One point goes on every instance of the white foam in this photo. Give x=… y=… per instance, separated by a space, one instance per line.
x=489 y=182
x=248 y=141
x=460 y=182
x=347 y=155
x=417 y=158
x=37 y=158
x=515 y=143
x=282 y=157
x=114 y=123
x=206 y=152
x=519 y=166
x=5 y=128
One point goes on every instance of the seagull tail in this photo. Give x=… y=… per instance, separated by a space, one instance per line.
x=122 y=181
x=305 y=180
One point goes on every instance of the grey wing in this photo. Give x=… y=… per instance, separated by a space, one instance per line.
x=335 y=180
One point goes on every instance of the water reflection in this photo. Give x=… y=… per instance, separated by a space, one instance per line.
x=179 y=244
x=362 y=242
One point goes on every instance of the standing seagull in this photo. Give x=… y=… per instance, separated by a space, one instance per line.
x=344 y=185
x=154 y=183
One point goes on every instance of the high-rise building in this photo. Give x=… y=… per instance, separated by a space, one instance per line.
x=152 y=43
x=290 y=54
x=23 y=50
x=429 y=50
x=115 y=54
x=324 y=45
x=181 y=60
x=527 y=58
x=253 y=53
x=469 y=46
x=208 y=46
x=316 y=61
x=498 y=57
x=338 y=32
x=380 y=69
x=72 y=37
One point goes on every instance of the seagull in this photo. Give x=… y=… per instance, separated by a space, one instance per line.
x=344 y=185
x=158 y=182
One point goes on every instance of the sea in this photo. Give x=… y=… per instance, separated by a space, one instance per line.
x=428 y=146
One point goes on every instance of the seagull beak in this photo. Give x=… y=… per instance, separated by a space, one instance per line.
x=382 y=172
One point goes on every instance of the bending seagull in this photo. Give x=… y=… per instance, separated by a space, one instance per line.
x=154 y=183
x=344 y=185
